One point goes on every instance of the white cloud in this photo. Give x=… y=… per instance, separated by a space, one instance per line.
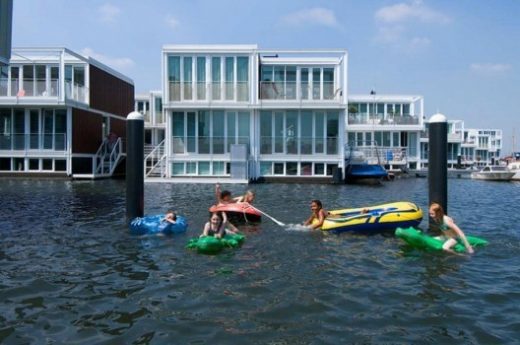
x=390 y=34
x=315 y=16
x=172 y=22
x=490 y=68
x=115 y=63
x=415 y=10
x=109 y=12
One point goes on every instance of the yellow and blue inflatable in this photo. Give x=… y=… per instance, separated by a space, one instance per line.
x=373 y=219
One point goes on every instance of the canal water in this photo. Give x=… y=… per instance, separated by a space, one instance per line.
x=72 y=274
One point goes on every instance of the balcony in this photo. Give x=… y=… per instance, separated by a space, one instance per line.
x=29 y=88
x=208 y=92
x=33 y=142
x=298 y=145
x=205 y=144
x=380 y=119
x=288 y=91
x=76 y=92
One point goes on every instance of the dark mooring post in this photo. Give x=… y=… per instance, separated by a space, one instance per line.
x=438 y=161
x=134 y=166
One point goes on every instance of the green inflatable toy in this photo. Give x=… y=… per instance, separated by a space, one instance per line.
x=418 y=239
x=212 y=245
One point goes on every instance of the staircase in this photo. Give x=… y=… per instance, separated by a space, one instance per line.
x=155 y=161
x=107 y=158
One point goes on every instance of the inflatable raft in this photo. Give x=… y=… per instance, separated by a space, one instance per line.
x=420 y=240
x=156 y=224
x=212 y=245
x=377 y=219
x=239 y=213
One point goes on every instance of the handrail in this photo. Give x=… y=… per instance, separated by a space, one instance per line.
x=157 y=153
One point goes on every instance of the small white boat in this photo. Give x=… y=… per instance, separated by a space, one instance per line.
x=493 y=173
x=515 y=167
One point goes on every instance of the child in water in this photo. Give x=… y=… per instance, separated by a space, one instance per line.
x=318 y=212
x=224 y=196
x=218 y=226
x=170 y=217
x=450 y=230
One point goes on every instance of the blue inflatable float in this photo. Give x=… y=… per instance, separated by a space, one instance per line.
x=156 y=224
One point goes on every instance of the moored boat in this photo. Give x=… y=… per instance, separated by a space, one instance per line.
x=493 y=173
x=239 y=213
x=515 y=167
x=374 y=219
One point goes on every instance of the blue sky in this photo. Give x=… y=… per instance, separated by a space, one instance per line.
x=462 y=56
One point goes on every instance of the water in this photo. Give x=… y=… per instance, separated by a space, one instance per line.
x=71 y=272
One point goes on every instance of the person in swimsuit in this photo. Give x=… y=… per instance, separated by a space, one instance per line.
x=450 y=230
x=170 y=217
x=248 y=197
x=318 y=212
x=218 y=226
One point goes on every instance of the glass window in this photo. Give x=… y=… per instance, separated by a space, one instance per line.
x=243 y=128
x=60 y=165
x=292 y=168
x=177 y=132
x=305 y=83
x=291 y=132
x=15 y=80
x=351 y=138
x=319 y=144
x=319 y=169
x=191 y=168
x=4 y=80
x=34 y=164
x=306 y=137
x=5 y=164
x=242 y=78
x=266 y=168
x=218 y=131
x=219 y=168
x=191 y=131
x=19 y=164
x=328 y=83
x=19 y=129
x=204 y=133
x=316 y=83
x=306 y=168
x=290 y=83
x=204 y=168
x=230 y=78
x=279 y=132
x=332 y=133
x=216 y=78
x=201 y=77
x=395 y=139
x=378 y=138
x=231 y=129
x=386 y=139
x=34 y=128
x=55 y=76
x=188 y=77
x=174 y=77
x=279 y=168
x=28 y=80
x=331 y=168
x=266 y=132
x=40 y=80
x=60 y=123
x=177 y=169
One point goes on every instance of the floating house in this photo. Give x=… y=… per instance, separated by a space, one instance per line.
x=62 y=114
x=239 y=112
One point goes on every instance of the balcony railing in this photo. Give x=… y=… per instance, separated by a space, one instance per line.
x=33 y=142
x=207 y=91
x=76 y=92
x=205 y=144
x=380 y=119
x=298 y=145
x=289 y=91
x=29 y=88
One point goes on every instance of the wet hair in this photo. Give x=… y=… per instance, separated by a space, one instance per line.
x=218 y=214
x=437 y=209
x=317 y=202
x=174 y=214
x=225 y=194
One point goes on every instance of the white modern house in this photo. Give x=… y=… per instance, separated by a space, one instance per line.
x=236 y=111
x=392 y=123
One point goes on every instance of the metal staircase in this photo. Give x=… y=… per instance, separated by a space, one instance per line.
x=107 y=158
x=155 y=162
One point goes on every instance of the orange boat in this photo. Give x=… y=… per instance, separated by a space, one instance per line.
x=239 y=213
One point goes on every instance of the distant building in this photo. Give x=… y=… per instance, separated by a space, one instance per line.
x=61 y=114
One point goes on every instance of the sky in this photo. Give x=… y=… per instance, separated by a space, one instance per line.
x=462 y=56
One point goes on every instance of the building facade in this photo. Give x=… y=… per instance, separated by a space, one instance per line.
x=240 y=112
x=57 y=109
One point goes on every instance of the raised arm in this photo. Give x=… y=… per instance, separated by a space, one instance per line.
x=217 y=192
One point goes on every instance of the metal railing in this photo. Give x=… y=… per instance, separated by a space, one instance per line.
x=107 y=156
x=155 y=160
x=209 y=91
x=288 y=90
x=206 y=144
x=33 y=142
x=29 y=88
x=76 y=92
x=381 y=119
x=298 y=145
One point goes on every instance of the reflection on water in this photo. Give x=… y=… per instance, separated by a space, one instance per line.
x=71 y=273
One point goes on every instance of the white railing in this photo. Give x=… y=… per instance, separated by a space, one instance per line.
x=155 y=161
x=76 y=92
x=29 y=88
x=208 y=91
x=107 y=156
x=381 y=119
x=33 y=142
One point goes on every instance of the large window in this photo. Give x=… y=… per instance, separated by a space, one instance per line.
x=174 y=77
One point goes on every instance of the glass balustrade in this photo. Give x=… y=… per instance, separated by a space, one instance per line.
x=298 y=145
x=28 y=142
x=205 y=144
x=30 y=88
